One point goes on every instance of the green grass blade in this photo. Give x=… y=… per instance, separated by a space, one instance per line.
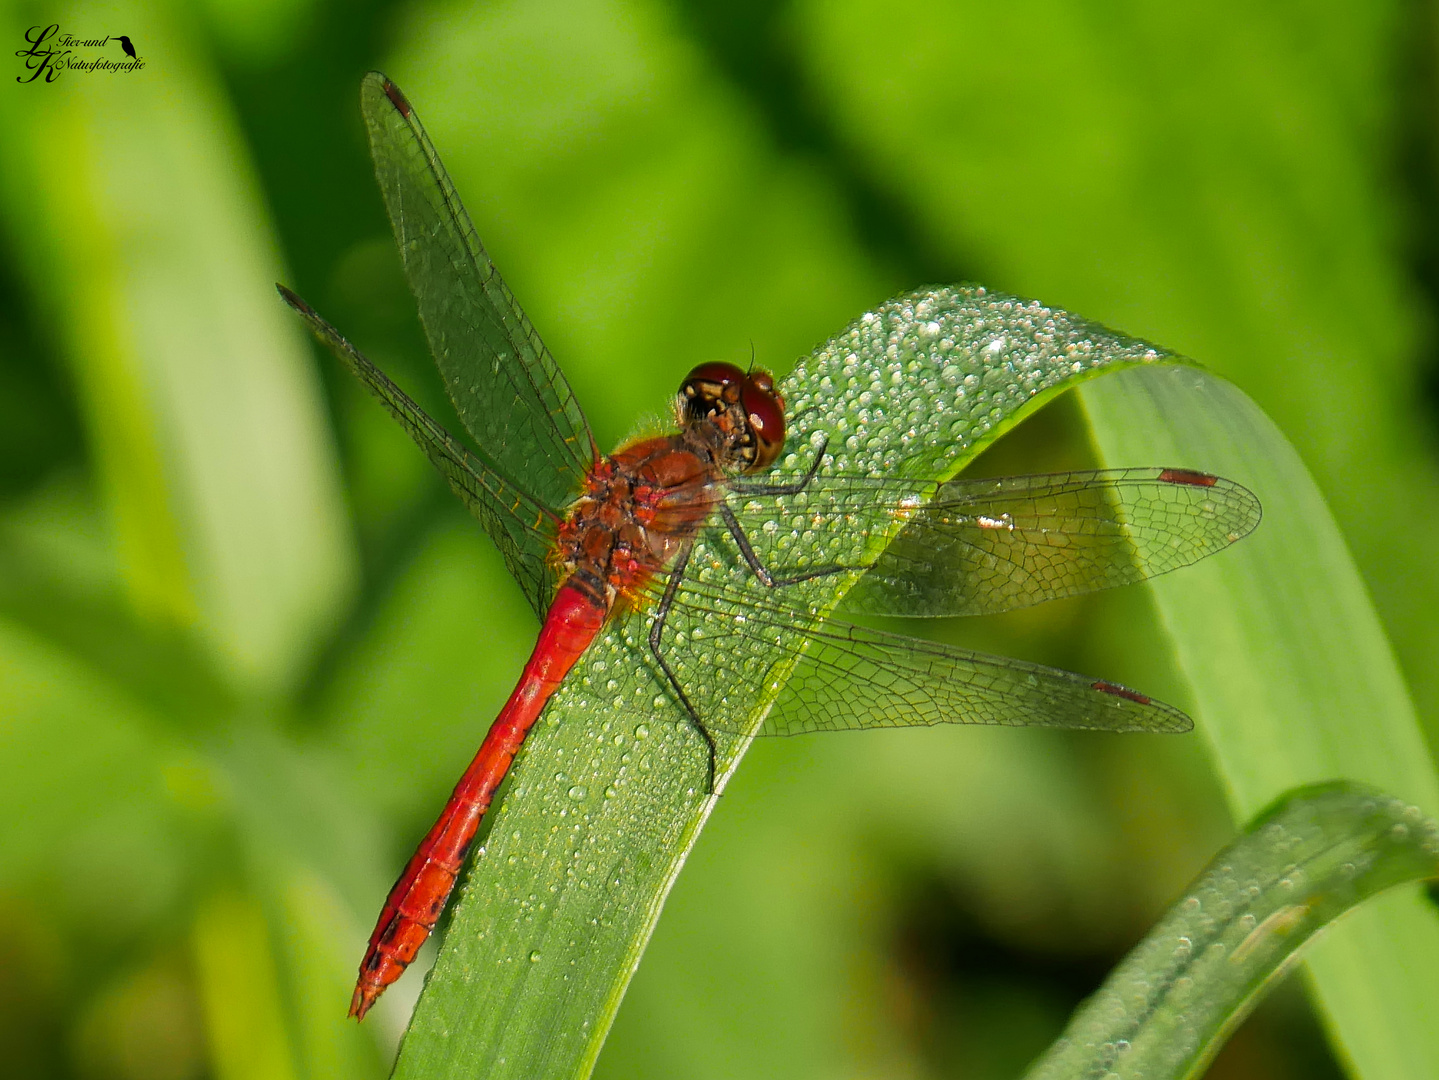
x=151 y=255
x=608 y=797
x=240 y=985
x=1294 y=683
x=1166 y=1010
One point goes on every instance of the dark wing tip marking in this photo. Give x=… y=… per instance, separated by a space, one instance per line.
x=293 y=299
x=1121 y=691
x=1188 y=476
x=397 y=98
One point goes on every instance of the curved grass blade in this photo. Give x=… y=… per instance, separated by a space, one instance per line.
x=1166 y=1010
x=205 y=425
x=607 y=798
x=1294 y=683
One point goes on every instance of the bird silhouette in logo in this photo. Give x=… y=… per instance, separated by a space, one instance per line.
x=125 y=44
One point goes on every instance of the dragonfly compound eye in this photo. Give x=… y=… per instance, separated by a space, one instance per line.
x=711 y=388
x=764 y=411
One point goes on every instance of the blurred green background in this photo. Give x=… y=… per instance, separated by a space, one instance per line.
x=248 y=639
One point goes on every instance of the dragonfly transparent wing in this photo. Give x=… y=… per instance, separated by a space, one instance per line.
x=972 y=547
x=520 y=527
x=834 y=676
x=509 y=392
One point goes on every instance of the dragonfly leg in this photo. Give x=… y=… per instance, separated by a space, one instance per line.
x=758 y=568
x=794 y=487
x=656 y=631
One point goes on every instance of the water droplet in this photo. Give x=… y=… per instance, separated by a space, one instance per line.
x=535 y=956
x=579 y=791
x=642 y=731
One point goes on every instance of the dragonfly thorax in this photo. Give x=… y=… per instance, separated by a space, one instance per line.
x=639 y=508
x=642 y=505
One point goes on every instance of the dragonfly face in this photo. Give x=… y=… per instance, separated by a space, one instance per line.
x=745 y=406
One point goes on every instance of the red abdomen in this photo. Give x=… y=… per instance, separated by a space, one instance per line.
x=418 y=897
x=640 y=508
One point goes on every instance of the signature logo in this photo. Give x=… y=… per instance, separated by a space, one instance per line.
x=49 y=52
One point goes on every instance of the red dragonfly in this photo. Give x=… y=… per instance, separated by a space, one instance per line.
x=589 y=536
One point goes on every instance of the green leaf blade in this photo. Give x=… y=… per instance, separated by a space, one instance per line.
x=1167 y=1008
x=207 y=424
x=1294 y=683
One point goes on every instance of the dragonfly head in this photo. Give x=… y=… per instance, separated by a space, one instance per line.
x=743 y=406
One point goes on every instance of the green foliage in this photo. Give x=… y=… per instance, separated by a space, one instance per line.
x=1299 y=866
x=1298 y=684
